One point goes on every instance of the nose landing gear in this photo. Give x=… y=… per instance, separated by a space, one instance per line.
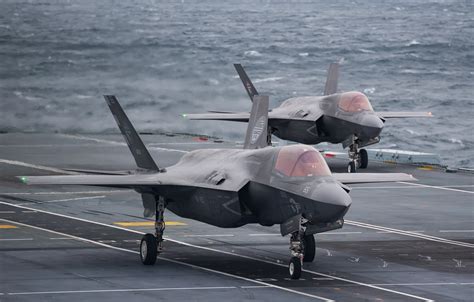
x=358 y=158
x=152 y=244
x=303 y=249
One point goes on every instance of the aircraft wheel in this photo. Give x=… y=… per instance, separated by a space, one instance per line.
x=364 y=158
x=148 y=249
x=295 y=268
x=309 y=248
x=351 y=167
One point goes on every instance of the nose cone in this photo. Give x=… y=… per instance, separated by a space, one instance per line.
x=372 y=125
x=333 y=200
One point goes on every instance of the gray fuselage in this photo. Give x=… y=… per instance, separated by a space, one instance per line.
x=334 y=118
x=235 y=187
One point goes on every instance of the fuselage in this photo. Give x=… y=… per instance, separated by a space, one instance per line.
x=333 y=118
x=267 y=186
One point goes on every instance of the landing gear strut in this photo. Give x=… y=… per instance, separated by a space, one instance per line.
x=302 y=248
x=152 y=244
x=357 y=158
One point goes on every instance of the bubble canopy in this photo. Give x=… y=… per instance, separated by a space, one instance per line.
x=301 y=161
x=354 y=101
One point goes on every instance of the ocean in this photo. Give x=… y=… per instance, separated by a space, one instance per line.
x=166 y=58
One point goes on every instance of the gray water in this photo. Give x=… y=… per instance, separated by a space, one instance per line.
x=165 y=58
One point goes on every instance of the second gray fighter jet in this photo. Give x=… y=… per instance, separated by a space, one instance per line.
x=347 y=118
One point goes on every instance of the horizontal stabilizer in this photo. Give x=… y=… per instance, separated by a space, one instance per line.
x=390 y=114
x=355 y=178
x=235 y=117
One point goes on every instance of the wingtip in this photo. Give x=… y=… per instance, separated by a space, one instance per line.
x=23 y=179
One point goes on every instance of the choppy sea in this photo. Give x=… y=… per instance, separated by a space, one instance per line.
x=165 y=58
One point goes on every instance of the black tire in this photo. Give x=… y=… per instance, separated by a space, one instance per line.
x=351 y=167
x=295 y=268
x=309 y=248
x=364 y=159
x=148 y=249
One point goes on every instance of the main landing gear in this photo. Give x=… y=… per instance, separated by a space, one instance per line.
x=303 y=249
x=152 y=244
x=357 y=158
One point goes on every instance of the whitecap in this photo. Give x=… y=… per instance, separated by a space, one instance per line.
x=369 y=90
x=303 y=54
x=456 y=141
x=413 y=42
x=411 y=132
x=82 y=97
x=271 y=79
x=363 y=50
x=252 y=53
x=213 y=82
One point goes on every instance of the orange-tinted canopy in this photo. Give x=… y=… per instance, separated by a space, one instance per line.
x=301 y=161
x=354 y=101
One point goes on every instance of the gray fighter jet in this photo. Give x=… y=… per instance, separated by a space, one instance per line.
x=346 y=118
x=290 y=186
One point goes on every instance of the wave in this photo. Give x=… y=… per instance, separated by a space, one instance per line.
x=271 y=79
x=252 y=53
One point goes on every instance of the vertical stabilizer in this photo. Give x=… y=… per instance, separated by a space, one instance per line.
x=257 y=130
x=248 y=85
x=332 y=79
x=134 y=142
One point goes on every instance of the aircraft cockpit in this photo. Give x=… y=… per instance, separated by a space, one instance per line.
x=354 y=101
x=301 y=161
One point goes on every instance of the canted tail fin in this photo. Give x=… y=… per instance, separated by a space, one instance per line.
x=134 y=142
x=248 y=85
x=332 y=79
x=257 y=130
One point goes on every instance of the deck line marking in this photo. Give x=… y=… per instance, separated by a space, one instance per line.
x=38 y=167
x=7 y=212
x=231 y=253
x=136 y=290
x=423 y=284
x=435 y=187
x=169 y=260
x=67 y=199
x=105 y=141
x=211 y=235
x=16 y=239
x=409 y=187
x=120 y=290
x=66 y=192
x=339 y=233
x=411 y=234
x=456 y=231
x=263 y=234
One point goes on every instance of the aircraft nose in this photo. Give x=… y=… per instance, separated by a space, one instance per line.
x=373 y=125
x=334 y=201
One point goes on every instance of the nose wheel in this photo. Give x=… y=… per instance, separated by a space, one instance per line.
x=303 y=249
x=357 y=158
x=151 y=245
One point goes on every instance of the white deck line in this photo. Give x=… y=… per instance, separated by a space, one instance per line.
x=168 y=260
x=234 y=254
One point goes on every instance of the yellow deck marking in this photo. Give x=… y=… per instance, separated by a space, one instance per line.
x=426 y=168
x=147 y=223
x=7 y=226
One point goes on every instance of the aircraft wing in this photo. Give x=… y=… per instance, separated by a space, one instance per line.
x=121 y=181
x=393 y=114
x=355 y=178
x=219 y=116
